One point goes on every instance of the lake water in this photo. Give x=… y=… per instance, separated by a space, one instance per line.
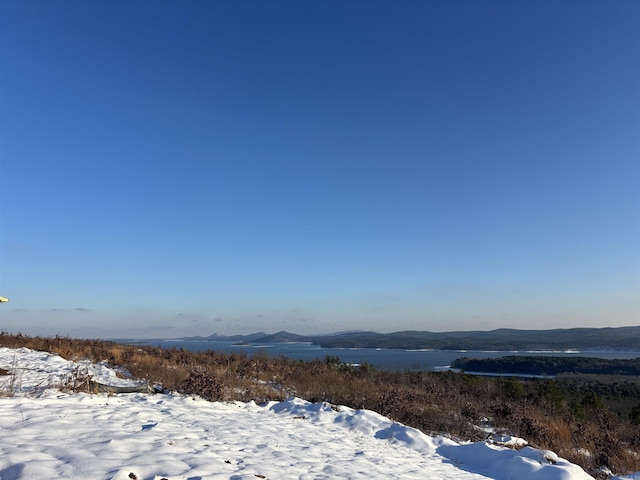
x=389 y=359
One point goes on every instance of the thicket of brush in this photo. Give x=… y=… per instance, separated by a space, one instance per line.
x=586 y=428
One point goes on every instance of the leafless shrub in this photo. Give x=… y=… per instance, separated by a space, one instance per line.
x=205 y=384
x=79 y=380
x=14 y=383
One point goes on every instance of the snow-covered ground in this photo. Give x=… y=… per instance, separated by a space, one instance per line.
x=46 y=433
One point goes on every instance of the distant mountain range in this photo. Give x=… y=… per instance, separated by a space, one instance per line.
x=504 y=339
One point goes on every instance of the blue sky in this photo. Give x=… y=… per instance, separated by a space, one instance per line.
x=179 y=168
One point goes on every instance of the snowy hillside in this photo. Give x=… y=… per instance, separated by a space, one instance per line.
x=51 y=434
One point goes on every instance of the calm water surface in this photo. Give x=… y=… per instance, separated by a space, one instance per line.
x=390 y=359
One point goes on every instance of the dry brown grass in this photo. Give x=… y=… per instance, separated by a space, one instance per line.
x=581 y=429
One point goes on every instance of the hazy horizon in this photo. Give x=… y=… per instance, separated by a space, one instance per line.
x=189 y=168
x=105 y=332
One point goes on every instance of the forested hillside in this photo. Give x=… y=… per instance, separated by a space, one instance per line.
x=533 y=365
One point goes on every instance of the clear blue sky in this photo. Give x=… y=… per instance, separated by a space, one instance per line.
x=179 y=168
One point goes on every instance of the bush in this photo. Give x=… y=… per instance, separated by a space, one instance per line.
x=205 y=384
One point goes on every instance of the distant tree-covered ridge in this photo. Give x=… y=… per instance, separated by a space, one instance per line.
x=622 y=338
x=505 y=339
x=549 y=365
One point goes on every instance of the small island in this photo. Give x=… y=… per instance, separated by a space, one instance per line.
x=535 y=365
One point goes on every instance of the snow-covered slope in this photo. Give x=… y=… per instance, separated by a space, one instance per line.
x=49 y=434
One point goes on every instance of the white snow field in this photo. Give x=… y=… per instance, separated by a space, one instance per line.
x=46 y=434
